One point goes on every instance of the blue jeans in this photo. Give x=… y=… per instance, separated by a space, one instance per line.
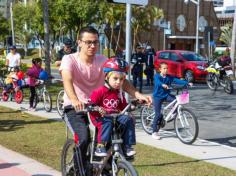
x=127 y=127
x=157 y=108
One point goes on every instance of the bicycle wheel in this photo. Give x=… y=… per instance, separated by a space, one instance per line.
x=186 y=126
x=60 y=101
x=147 y=116
x=36 y=100
x=125 y=168
x=67 y=159
x=229 y=88
x=47 y=101
x=18 y=96
x=211 y=81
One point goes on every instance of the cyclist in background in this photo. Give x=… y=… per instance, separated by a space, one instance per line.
x=13 y=58
x=33 y=74
x=110 y=98
x=67 y=49
x=161 y=92
x=82 y=72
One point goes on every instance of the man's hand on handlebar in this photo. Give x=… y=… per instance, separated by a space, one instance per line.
x=78 y=105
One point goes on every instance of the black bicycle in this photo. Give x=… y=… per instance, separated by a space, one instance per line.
x=115 y=163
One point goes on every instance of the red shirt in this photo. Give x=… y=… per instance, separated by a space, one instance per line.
x=110 y=100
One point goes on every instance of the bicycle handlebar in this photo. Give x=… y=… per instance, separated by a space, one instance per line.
x=93 y=108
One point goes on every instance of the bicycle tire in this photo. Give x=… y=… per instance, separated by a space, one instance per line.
x=125 y=168
x=229 y=87
x=147 y=116
x=59 y=102
x=182 y=124
x=36 y=100
x=67 y=169
x=211 y=81
x=18 y=96
x=47 y=101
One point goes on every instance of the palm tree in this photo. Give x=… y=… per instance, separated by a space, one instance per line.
x=226 y=34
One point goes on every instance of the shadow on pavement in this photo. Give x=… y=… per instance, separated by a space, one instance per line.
x=7 y=165
x=229 y=141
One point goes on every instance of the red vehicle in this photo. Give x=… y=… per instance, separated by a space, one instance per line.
x=182 y=64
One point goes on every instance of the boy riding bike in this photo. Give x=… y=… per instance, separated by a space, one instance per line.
x=110 y=98
x=161 y=92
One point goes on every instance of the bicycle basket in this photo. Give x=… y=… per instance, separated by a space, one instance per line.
x=183 y=98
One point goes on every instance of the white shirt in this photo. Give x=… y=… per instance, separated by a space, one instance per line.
x=14 y=59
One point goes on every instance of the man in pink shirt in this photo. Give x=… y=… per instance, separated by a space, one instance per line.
x=82 y=72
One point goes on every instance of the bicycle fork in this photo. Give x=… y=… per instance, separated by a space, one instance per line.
x=182 y=118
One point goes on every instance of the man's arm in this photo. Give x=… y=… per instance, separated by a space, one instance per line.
x=129 y=88
x=70 y=91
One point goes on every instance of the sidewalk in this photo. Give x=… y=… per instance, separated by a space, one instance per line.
x=201 y=150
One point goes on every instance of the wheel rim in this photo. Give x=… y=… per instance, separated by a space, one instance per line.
x=68 y=165
x=47 y=101
x=228 y=86
x=189 y=76
x=18 y=96
x=147 y=119
x=186 y=127
x=60 y=102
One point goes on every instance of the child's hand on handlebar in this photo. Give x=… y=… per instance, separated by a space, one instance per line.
x=165 y=86
x=101 y=111
x=190 y=84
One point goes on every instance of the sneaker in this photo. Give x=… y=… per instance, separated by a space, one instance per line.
x=31 y=109
x=101 y=151
x=130 y=152
x=156 y=136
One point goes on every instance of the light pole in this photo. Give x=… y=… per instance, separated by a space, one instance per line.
x=12 y=25
x=197 y=2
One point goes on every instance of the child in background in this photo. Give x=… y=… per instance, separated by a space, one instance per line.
x=161 y=92
x=33 y=74
x=11 y=79
x=110 y=99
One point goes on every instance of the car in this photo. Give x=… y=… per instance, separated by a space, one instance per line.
x=183 y=64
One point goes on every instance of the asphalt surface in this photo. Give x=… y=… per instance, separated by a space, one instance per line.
x=216 y=113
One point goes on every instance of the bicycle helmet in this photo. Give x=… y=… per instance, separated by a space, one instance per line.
x=115 y=64
x=43 y=75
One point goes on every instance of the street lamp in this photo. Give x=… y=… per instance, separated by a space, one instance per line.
x=197 y=2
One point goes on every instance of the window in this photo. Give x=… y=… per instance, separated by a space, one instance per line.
x=164 y=55
x=174 y=57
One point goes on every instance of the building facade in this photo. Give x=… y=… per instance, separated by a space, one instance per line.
x=180 y=21
x=4 y=8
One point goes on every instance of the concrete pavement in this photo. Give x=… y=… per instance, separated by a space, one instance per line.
x=201 y=150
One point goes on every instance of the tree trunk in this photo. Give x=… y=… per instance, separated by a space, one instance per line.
x=233 y=41
x=46 y=37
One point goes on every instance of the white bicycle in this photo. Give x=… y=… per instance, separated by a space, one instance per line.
x=185 y=121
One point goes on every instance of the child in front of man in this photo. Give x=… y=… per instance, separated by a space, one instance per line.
x=110 y=99
x=161 y=92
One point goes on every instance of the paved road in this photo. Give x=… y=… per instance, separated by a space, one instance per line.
x=216 y=114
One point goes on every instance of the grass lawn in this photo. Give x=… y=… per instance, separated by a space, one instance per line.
x=42 y=139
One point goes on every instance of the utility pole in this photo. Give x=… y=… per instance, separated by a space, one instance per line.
x=233 y=41
x=46 y=37
x=12 y=25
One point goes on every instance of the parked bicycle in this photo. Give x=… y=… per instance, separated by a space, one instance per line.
x=185 y=121
x=42 y=95
x=115 y=163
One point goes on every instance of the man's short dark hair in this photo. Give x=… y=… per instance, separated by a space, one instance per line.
x=88 y=29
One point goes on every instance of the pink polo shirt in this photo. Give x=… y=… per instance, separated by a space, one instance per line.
x=85 y=78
